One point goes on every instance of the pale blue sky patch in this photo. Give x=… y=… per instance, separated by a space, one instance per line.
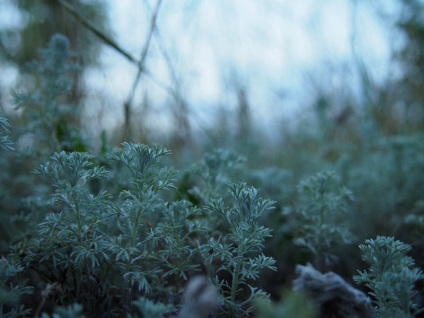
x=213 y=46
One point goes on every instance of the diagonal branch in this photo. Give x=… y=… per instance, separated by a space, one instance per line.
x=142 y=69
x=145 y=50
x=96 y=31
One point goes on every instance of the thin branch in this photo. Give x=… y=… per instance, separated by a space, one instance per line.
x=141 y=69
x=144 y=52
x=86 y=23
x=96 y=31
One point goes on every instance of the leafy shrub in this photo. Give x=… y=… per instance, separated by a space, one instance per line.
x=91 y=241
x=239 y=251
x=391 y=277
x=51 y=119
x=322 y=216
x=138 y=242
x=10 y=293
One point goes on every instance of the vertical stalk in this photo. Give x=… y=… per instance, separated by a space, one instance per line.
x=235 y=282
x=236 y=273
x=78 y=215
x=141 y=69
x=135 y=228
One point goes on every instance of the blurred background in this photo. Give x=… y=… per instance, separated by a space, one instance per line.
x=214 y=72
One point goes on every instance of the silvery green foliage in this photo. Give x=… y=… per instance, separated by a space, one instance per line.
x=417 y=217
x=390 y=277
x=274 y=182
x=239 y=250
x=138 y=159
x=91 y=239
x=49 y=116
x=140 y=206
x=322 y=213
x=5 y=142
x=10 y=293
x=73 y=311
x=150 y=309
x=175 y=239
x=390 y=168
x=211 y=175
x=80 y=219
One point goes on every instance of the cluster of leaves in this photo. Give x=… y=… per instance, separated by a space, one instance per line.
x=92 y=241
x=239 y=253
x=208 y=178
x=46 y=121
x=323 y=215
x=51 y=118
x=5 y=142
x=391 y=277
x=389 y=168
x=96 y=249
x=10 y=294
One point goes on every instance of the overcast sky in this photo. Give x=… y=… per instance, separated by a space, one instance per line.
x=213 y=45
x=267 y=46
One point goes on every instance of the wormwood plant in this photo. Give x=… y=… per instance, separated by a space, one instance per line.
x=11 y=293
x=390 y=278
x=175 y=239
x=47 y=121
x=46 y=109
x=322 y=215
x=90 y=242
x=96 y=249
x=72 y=311
x=5 y=145
x=208 y=179
x=72 y=249
x=140 y=208
x=150 y=309
x=389 y=168
x=239 y=251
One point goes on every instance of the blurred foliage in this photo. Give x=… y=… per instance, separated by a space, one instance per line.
x=292 y=305
x=391 y=277
x=41 y=19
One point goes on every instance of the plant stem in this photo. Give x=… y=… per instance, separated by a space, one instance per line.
x=235 y=282
x=78 y=215
x=135 y=228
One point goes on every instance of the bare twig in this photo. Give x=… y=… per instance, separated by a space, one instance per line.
x=86 y=23
x=141 y=69
x=181 y=107
x=145 y=49
x=96 y=31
